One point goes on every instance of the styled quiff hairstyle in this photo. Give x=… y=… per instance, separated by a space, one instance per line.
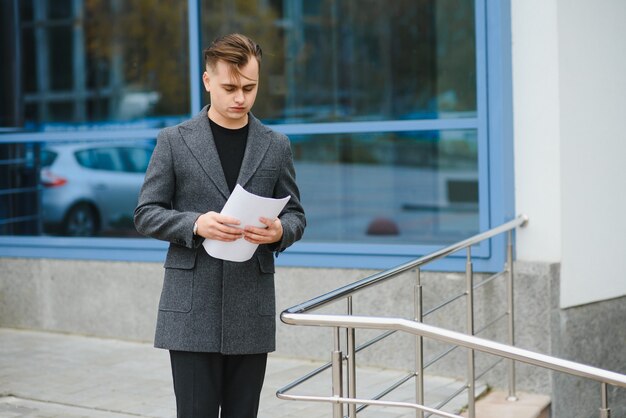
x=235 y=50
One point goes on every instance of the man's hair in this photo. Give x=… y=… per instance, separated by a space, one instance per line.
x=235 y=50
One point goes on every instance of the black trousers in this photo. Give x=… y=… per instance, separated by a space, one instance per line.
x=205 y=383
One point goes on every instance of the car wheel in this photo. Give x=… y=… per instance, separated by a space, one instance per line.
x=81 y=221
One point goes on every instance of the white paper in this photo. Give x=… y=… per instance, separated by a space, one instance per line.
x=248 y=208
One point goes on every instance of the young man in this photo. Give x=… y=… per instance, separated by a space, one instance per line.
x=217 y=317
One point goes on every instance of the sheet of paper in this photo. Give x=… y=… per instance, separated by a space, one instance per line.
x=248 y=208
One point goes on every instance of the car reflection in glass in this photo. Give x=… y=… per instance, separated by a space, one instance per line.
x=91 y=188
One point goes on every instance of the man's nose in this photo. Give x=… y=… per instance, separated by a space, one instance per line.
x=239 y=97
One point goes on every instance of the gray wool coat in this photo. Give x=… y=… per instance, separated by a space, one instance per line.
x=207 y=304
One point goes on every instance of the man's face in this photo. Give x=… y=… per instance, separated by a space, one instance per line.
x=231 y=97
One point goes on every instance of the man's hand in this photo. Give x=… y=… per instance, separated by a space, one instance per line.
x=273 y=232
x=212 y=225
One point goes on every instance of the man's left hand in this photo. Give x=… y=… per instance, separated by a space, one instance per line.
x=273 y=232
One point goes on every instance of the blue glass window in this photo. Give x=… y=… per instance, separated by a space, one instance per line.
x=398 y=117
x=330 y=62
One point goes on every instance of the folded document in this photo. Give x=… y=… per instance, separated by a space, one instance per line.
x=248 y=208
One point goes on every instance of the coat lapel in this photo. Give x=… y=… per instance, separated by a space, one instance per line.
x=198 y=137
x=256 y=147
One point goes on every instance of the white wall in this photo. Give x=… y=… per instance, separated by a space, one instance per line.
x=592 y=62
x=569 y=100
x=536 y=128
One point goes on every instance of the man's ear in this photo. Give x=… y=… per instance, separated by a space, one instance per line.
x=206 y=81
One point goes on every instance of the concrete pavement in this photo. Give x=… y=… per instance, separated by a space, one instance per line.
x=47 y=375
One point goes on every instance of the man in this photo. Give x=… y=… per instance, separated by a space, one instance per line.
x=217 y=317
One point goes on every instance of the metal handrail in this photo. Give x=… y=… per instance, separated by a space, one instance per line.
x=504 y=351
x=338 y=400
x=347 y=291
x=298 y=315
x=457 y=338
x=378 y=278
x=329 y=364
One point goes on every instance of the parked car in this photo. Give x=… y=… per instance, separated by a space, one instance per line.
x=92 y=187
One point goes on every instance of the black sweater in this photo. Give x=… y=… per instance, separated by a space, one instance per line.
x=231 y=145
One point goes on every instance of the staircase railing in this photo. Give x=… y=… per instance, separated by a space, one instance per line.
x=300 y=315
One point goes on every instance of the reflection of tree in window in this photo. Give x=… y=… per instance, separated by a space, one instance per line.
x=138 y=51
x=331 y=60
x=103 y=59
x=261 y=20
x=402 y=59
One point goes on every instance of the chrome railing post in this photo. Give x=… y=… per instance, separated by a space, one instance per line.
x=605 y=411
x=351 y=364
x=337 y=374
x=511 y=313
x=471 y=383
x=419 y=346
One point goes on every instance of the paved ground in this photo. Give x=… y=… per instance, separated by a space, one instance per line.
x=47 y=375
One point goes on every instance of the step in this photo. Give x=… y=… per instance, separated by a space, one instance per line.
x=527 y=405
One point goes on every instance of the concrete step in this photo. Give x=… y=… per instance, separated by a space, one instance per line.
x=527 y=405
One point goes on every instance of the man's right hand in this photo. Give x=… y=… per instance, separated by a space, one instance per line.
x=212 y=225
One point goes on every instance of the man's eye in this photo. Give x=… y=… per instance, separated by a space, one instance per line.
x=249 y=89
x=229 y=89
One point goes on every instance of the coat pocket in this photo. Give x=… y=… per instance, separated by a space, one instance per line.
x=271 y=172
x=266 y=297
x=263 y=182
x=177 y=293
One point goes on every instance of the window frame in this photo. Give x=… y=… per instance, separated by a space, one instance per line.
x=493 y=124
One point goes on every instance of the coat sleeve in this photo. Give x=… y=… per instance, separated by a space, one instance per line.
x=155 y=215
x=292 y=217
